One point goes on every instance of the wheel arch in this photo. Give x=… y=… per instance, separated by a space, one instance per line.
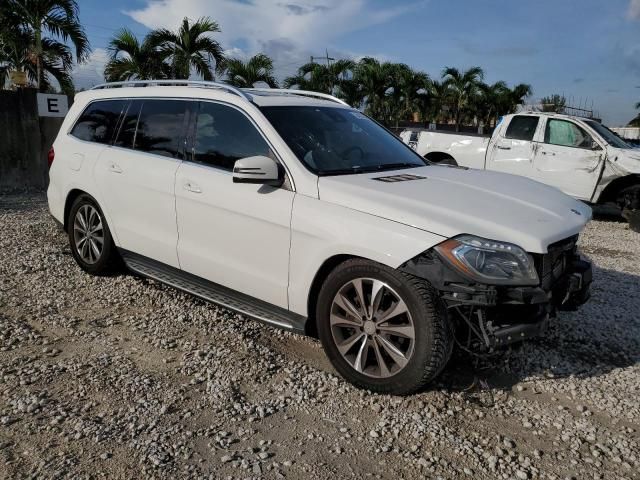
x=71 y=197
x=438 y=157
x=610 y=192
x=311 y=327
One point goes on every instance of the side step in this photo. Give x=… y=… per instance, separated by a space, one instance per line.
x=223 y=296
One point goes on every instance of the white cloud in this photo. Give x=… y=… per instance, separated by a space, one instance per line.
x=91 y=73
x=287 y=30
x=633 y=13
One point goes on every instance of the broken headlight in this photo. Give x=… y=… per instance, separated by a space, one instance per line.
x=489 y=261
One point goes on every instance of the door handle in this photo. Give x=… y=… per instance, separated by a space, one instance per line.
x=192 y=187
x=551 y=154
x=501 y=147
x=113 y=167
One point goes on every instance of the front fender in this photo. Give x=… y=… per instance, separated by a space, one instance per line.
x=321 y=230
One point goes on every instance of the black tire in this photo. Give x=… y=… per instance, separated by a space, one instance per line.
x=633 y=217
x=433 y=341
x=107 y=262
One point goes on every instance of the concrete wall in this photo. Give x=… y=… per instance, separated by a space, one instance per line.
x=25 y=139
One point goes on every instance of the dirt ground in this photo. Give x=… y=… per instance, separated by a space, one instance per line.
x=121 y=377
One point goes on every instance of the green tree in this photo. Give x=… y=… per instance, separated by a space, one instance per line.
x=258 y=68
x=190 y=47
x=376 y=79
x=319 y=77
x=57 y=18
x=130 y=59
x=553 y=103
x=463 y=88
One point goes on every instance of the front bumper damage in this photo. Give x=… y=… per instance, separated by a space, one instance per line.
x=487 y=317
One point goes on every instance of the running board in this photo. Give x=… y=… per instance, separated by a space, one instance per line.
x=218 y=294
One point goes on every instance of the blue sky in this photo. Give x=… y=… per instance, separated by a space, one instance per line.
x=588 y=50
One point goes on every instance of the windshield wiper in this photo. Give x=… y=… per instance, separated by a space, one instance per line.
x=368 y=169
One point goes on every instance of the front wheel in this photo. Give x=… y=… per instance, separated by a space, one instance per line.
x=383 y=330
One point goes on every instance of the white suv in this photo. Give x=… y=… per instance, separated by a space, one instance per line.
x=297 y=210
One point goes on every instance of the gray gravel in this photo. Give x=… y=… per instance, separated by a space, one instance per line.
x=122 y=377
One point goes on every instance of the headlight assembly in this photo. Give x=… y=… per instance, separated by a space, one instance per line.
x=489 y=261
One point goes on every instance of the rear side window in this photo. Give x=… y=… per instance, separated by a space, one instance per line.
x=522 y=127
x=161 y=127
x=98 y=121
x=224 y=135
x=128 y=126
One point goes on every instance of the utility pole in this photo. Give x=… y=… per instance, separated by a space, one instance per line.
x=326 y=57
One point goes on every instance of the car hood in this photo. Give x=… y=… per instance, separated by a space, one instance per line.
x=626 y=159
x=449 y=201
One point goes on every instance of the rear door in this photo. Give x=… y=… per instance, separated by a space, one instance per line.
x=569 y=158
x=137 y=177
x=513 y=151
x=233 y=234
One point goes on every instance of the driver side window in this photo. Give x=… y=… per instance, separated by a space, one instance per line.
x=566 y=134
x=224 y=135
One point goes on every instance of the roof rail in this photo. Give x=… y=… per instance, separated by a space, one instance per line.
x=302 y=93
x=175 y=83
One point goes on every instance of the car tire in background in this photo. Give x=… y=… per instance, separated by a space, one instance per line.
x=383 y=330
x=629 y=202
x=89 y=237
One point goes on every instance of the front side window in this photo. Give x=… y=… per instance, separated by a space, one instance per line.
x=566 y=134
x=224 y=135
x=161 y=126
x=339 y=141
x=522 y=127
x=98 y=122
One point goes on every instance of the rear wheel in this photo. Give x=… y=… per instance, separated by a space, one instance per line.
x=89 y=237
x=382 y=330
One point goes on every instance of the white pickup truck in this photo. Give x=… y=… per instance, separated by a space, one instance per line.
x=579 y=156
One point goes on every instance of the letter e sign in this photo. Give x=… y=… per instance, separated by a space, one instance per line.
x=50 y=105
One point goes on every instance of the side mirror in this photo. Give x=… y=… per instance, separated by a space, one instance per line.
x=259 y=170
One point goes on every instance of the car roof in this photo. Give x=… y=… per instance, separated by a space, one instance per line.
x=211 y=90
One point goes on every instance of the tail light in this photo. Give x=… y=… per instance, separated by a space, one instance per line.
x=51 y=156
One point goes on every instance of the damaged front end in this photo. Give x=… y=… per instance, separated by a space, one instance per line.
x=497 y=294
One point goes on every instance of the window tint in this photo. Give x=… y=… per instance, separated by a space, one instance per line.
x=522 y=127
x=566 y=134
x=128 y=126
x=98 y=121
x=161 y=127
x=224 y=135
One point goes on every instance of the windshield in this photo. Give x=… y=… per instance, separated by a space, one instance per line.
x=609 y=137
x=338 y=141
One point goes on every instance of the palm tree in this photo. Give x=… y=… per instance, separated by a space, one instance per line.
x=518 y=95
x=462 y=87
x=16 y=53
x=60 y=19
x=190 y=47
x=412 y=86
x=321 y=78
x=131 y=59
x=375 y=79
x=258 y=69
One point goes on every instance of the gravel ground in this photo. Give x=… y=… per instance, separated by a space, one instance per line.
x=122 y=377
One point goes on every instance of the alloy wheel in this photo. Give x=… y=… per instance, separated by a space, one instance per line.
x=88 y=234
x=372 y=327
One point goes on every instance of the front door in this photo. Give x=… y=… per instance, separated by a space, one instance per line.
x=569 y=159
x=513 y=152
x=234 y=234
x=137 y=177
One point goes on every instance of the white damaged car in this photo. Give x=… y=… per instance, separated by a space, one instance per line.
x=297 y=210
x=579 y=156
